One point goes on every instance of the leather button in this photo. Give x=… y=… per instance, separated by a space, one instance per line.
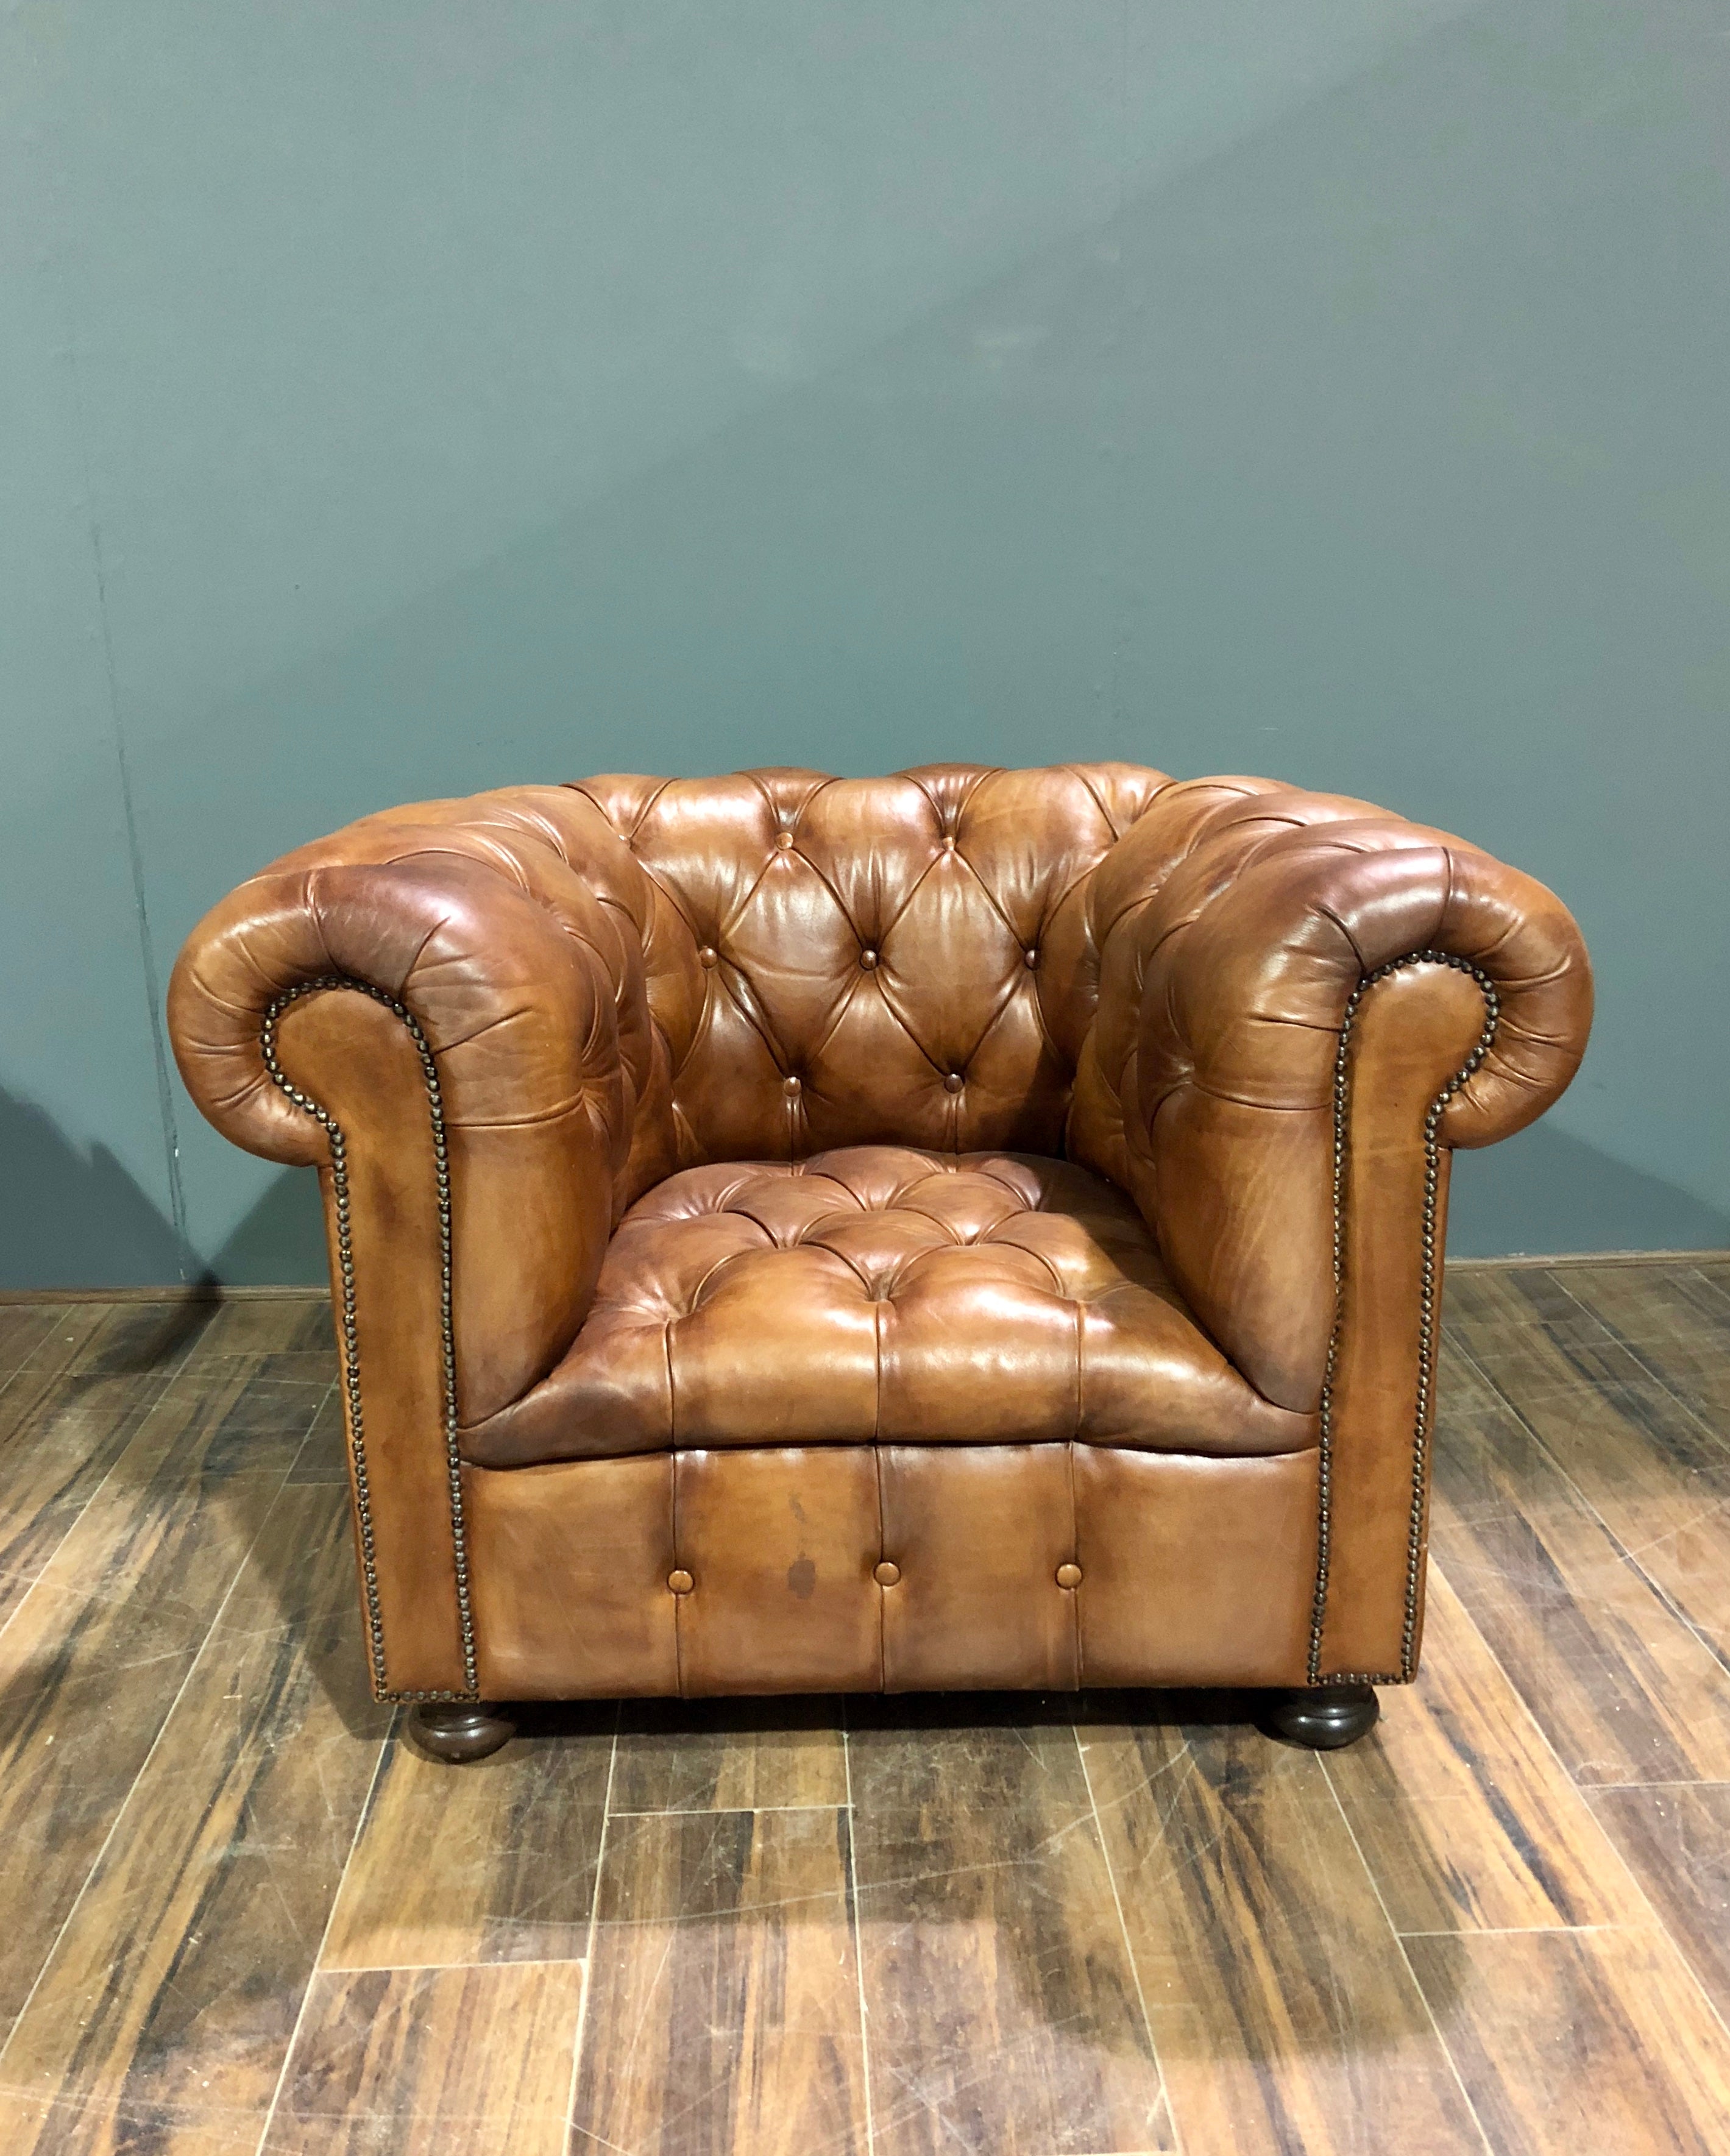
x=867 y=959
x=709 y=955
x=1068 y=1575
x=681 y=1581
x=792 y=1088
x=887 y=1574
x=784 y=839
x=954 y=1082
x=949 y=844
x=1030 y=957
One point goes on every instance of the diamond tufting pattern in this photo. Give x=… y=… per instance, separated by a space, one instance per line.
x=914 y=951
x=886 y=1293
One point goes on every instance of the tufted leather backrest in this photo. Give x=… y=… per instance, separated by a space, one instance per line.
x=835 y=961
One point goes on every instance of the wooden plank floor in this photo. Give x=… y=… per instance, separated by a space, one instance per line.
x=238 y=1913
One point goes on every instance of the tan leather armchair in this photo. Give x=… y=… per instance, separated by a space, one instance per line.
x=975 y=1228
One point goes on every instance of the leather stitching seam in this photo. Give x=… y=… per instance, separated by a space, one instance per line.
x=844 y=1002
x=1076 y=772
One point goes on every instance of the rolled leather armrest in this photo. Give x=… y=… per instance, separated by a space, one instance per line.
x=1245 y=930
x=1305 y=1004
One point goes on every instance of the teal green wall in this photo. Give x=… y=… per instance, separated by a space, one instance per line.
x=406 y=398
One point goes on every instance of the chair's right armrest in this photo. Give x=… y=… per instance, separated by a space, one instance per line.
x=1243 y=927
x=1305 y=1004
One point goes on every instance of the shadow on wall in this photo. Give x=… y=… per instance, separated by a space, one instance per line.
x=77 y=1219
x=280 y=1242
x=80 y=1220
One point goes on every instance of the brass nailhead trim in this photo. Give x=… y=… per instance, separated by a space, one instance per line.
x=350 y=1344
x=1426 y=1318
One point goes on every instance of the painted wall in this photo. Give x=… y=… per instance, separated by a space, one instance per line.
x=407 y=398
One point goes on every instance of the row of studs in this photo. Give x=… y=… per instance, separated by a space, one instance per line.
x=868 y=959
x=793 y=1086
x=349 y=1338
x=1426 y=1317
x=682 y=1580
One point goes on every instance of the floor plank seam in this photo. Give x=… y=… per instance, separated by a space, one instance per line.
x=1398 y=1939
x=1514 y=1931
x=1590 y=1789
x=1657 y=1376
x=715 y=1811
x=120 y=1812
x=170 y=1376
x=594 y=1918
x=1720 y=1655
x=1544 y=1260
x=306 y=1434
x=1611 y=1843
x=454 y=1961
x=857 y=1927
x=113 y=1468
x=1105 y=1852
x=313 y=1973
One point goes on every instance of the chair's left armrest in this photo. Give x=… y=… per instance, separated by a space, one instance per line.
x=528 y=996
x=447 y=1018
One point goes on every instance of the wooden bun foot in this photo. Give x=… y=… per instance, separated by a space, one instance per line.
x=459 y=1730
x=1324 y=1717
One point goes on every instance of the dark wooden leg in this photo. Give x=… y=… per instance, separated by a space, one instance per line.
x=456 y=1730
x=1323 y=1717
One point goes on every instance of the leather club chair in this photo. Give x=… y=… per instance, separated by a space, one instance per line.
x=975 y=1228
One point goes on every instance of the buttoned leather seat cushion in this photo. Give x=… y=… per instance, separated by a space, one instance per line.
x=886 y=1293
